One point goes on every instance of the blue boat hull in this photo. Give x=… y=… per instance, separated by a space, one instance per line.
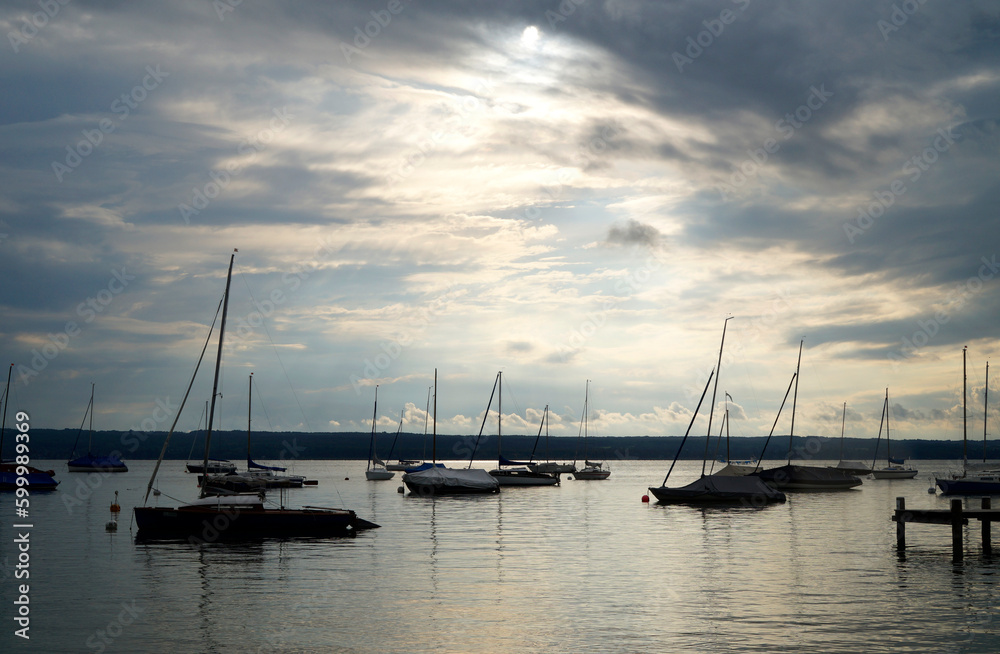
x=967 y=486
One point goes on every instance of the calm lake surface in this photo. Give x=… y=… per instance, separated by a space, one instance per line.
x=580 y=567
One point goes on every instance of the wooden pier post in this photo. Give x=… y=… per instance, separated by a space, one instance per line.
x=956 y=529
x=900 y=523
x=987 y=537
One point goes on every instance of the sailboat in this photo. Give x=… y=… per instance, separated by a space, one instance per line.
x=436 y=479
x=799 y=477
x=590 y=469
x=733 y=468
x=376 y=470
x=514 y=473
x=410 y=464
x=717 y=488
x=212 y=518
x=256 y=477
x=11 y=472
x=894 y=468
x=850 y=467
x=976 y=479
x=549 y=466
x=215 y=466
x=90 y=462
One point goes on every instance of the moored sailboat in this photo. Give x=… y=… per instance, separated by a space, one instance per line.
x=791 y=477
x=436 y=479
x=91 y=462
x=514 y=473
x=212 y=518
x=376 y=470
x=976 y=479
x=717 y=488
x=850 y=467
x=590 y=469
x=14 y=475
x=894 y=468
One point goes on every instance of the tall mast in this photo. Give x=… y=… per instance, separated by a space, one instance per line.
x=249 y=403
x=6 y=401
x=843 y=421
x=965 y=436
x=986 y=407
x=90 y=436
x=371 y=445
x=711 y=408
x=434 y=449
x=218 y=364
x=888 y=441
x=499 y=407
x=795 y=396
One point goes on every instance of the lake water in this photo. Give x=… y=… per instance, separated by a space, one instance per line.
x=580 y=567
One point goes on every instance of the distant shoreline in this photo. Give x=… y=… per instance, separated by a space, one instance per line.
x=228 y=444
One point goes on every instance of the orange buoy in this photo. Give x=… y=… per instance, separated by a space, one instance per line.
x=114 y=505
x=645 y=498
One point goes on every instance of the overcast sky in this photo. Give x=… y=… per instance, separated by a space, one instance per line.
x=561 y=191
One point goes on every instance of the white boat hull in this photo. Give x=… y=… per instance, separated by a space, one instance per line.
x=894 y=473
x=379 y=475
x=524 y=477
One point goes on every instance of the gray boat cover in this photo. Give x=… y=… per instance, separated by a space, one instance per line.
x=473 y=479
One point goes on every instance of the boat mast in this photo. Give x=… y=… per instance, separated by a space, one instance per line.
x=888 y=442
x=90 y=436
x=434 y=450
x=711 y=408
x=986 y=407
x=843 y=421
x=218 y=364
x=249 y=404
x=499 y=409
x=795 y=396
x=371 y=445
x=6 y=401
x=881 y=422
x=965 y=444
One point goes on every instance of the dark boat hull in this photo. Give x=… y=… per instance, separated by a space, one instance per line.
x=37 y=479
x=969 y=486
x=211 y=523
x=807 y=478
x=745 y=490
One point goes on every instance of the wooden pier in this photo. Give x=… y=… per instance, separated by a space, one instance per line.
x=956 y=516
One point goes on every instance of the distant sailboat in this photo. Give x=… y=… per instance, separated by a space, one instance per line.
x=215 y=466
x=717 y=488
x=514 y=473
x=11 y=472
x=89 y=462
x=894 y=468
x=436 y=479
x=850 y=467
x=590 y=469
x=976 y=479
x=800 y=477
x=733 y=468
x=376 y=470
x=210 y=518
x=257 y=476
x=549 y=466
